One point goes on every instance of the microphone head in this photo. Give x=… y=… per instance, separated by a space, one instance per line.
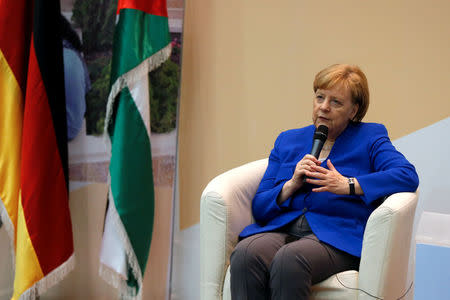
x=321 y=133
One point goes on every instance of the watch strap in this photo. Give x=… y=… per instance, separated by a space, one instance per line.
x=351 y=185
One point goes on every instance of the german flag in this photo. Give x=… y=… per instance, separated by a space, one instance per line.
x=33 y=145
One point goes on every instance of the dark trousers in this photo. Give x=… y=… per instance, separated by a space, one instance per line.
x=272 y=266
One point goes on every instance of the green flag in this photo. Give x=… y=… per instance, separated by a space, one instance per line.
x=141 y=43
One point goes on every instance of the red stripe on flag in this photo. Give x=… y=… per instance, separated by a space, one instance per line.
x=153 y=7
x=15 y=36
x=44 y=193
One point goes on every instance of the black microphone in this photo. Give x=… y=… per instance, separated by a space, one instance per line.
x=320 y=136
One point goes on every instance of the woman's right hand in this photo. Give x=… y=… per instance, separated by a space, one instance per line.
x=305 y=164
x=296 y=181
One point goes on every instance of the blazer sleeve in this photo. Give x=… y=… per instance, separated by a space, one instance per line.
x=264 y=204
x=392 y=172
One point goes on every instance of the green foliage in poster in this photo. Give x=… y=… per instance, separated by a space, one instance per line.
x=96 y=18
x=164 y=83
x=97 y=97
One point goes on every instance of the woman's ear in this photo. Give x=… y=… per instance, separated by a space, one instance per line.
x=354 y=111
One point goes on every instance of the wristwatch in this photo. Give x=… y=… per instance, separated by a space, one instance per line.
x=351 y=185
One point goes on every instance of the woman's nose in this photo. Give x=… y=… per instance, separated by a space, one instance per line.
x=325 y=105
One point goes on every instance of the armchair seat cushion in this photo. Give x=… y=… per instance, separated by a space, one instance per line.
x=341 y=286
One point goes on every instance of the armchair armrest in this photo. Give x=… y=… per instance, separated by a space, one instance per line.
x=225 y=209
x=386 y=246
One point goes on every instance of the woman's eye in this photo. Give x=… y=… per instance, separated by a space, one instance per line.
x=336 y=102
x=319 y=98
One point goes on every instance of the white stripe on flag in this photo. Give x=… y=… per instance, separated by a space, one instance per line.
x=140 y=93
x=112 y=253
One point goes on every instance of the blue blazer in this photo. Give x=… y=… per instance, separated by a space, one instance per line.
x=364 y=151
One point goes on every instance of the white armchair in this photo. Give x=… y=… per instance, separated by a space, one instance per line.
x=225 y=209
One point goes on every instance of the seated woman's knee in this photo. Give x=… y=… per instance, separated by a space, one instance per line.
x=289 y=260
x=247 y=252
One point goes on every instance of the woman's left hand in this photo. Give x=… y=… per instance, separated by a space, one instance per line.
x=328 y=180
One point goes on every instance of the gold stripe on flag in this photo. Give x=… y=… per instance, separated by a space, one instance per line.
x=11 y=115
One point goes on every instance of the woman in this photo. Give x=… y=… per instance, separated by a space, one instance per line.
x=311 y=213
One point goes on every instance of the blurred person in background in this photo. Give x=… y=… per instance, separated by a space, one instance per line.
x=76 y=79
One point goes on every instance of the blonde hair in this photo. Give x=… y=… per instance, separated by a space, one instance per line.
x=352 y=78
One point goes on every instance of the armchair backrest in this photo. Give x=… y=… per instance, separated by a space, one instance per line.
x=225 y=209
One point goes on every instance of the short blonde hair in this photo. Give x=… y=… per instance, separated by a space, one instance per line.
x=352 y=78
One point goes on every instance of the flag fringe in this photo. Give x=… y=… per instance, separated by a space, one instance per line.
x=50 y=280
x=118 y=282
x=111 y=277
x=114 y=279
x=132 y=77
x=9 y=227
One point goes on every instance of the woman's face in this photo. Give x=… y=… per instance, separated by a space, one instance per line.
x=333 y=108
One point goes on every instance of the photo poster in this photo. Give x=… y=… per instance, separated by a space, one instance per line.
x=94 y=21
